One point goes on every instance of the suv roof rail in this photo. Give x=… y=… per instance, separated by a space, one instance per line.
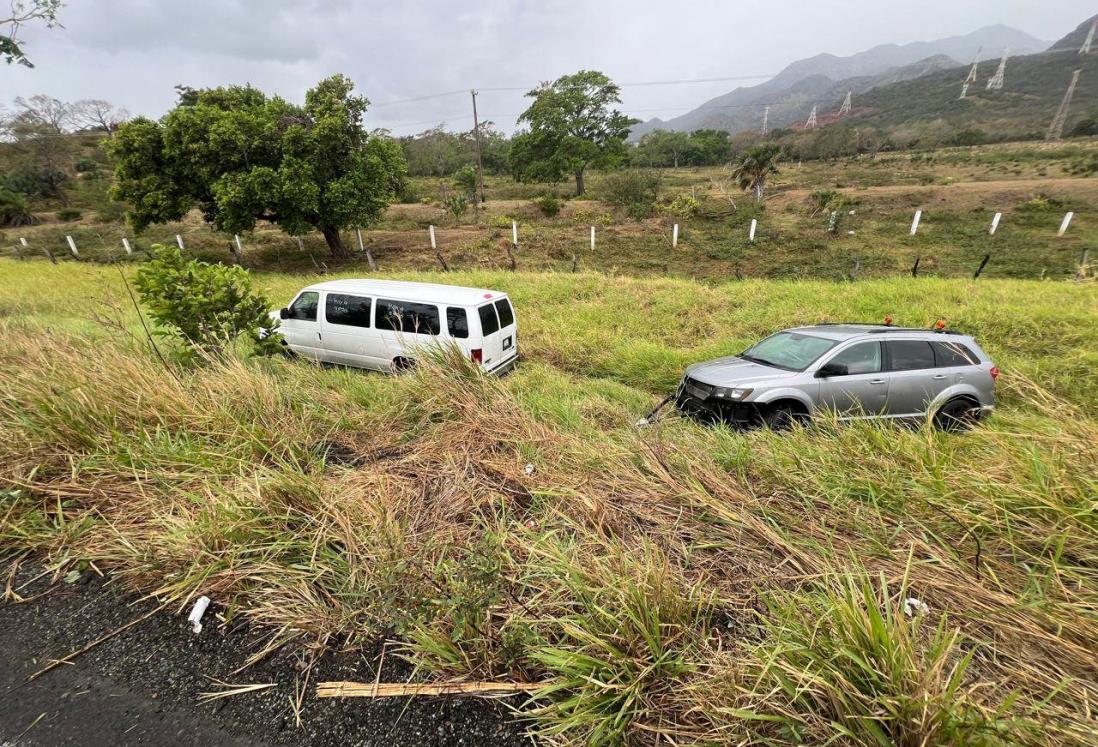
x=880 y=328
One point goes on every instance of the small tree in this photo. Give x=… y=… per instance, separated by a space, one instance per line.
x=242 y=157
x=571 y=128
x=207 y=306
x=19 y=14
x=756 y=166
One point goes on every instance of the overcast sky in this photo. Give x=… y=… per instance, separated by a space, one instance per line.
x=132 y=52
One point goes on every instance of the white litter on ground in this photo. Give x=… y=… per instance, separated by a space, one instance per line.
x=197 y=611
x=913 y=606
x=529 y=469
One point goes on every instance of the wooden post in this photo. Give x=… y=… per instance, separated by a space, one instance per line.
x=72 y=246
x=126 y=246
x=995 y=223
x=854 y=272
x=983 y=264
x=915 y=221
x=362 y=248
x=480 y=164
x=1065 y=223
x=751 y=231
x=1084 y=265
x=915 y=268
x=49 y=254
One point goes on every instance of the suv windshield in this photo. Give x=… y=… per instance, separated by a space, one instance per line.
x=792 y=351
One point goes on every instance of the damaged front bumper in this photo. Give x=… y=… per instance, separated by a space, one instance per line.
x=696 y=399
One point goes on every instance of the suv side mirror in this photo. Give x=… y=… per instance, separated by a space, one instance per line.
x=828 y=370
x=283 y=313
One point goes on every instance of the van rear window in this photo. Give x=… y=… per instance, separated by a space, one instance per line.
x=506 y=315
x=407 y=317
x=353 y=311
x=457 y=322
x=489 y=323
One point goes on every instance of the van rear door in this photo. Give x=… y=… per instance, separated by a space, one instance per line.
x=491 y=341
x=508 y=329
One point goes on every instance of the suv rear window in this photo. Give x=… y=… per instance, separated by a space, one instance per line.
x=506 y=315
x=353 y=311
x=407 y=317
x=489 y=324
x=953 y=354
x=909 y=355
x=457 y=322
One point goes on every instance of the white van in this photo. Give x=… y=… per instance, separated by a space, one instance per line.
x=383 y=324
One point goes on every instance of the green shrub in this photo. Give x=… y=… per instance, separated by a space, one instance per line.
x=636 y=190
x=456 y=205
x=683 y=206
x=500 y=221
x=589 y=216
x=824 y=199
x=68 y=214
x=549 y=205
x=86 y=166
x=465 y=181
x=35 y=182
x=14 y=210
x=204 y=305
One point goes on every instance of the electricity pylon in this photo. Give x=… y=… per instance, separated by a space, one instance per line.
x=995 y=82
x=845 y=108
x=811 y=123
x=766 y=121
x=971 y=73
x=1056 y=129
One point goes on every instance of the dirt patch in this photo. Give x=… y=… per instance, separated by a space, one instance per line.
x=142 y=686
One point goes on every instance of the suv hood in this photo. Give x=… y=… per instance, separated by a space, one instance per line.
x=735 y=371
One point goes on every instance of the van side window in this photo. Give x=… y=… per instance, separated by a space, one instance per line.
x=489 y=323
x=863 y=358
x=353 y=311
x=407 y=317
x=949 y=353
x=909 y=355
x=506 y=315
x=304 y=306
x=457 y=322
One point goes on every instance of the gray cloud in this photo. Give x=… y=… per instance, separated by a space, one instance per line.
x=132 y=52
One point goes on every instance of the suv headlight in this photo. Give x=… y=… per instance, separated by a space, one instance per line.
x=735 y=394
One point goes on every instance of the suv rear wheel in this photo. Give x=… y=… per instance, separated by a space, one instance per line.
x=956 y=415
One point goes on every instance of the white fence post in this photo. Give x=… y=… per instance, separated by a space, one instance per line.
x=751 y=231
x=72 y=246
x=1066 y=222
x=179 y=241
x=514 y=232
x=995 y=223
x=239 y=246
x=592 y=238
x=126 y=246
x=915 y=222
x=675 y=236
x=431 y=231
x=23 y=242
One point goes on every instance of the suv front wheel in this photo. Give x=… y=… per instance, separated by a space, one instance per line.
x=782 y=417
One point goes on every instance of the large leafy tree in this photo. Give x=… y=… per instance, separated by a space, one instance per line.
x=22 y=12
x=756 y=166
x=241 y=157
x=571 y=126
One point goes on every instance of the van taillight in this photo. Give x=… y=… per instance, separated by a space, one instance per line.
x=994 y=372
x=478 y=355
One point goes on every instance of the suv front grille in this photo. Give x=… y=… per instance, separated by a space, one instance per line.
x=696 y=389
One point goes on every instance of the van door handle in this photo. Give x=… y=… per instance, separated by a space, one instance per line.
x=876 y=381
x=939 y=377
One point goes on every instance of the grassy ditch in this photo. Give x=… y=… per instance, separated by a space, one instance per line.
x=689 y=583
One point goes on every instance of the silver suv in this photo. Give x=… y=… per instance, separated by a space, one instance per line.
x=855 y=370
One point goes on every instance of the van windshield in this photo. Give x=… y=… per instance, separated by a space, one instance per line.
x=792 y=351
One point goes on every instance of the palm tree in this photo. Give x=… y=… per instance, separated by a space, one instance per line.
x=757 y=164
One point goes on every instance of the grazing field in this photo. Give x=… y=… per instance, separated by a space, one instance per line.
x=674 y=584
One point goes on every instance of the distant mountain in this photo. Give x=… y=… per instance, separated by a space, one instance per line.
x=805 y=79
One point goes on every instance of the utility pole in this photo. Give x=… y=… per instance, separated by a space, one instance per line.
x=480 y=161
x=1056 y=129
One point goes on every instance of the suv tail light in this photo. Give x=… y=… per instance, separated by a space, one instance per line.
x=994 y=372
x=478 y=357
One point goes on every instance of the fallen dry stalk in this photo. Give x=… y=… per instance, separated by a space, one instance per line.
x=397 y=689
x=81 y=651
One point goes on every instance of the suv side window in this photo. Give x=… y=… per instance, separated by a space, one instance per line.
x=489 y=323
x=909 y=355
x=457 y=322
x=304 y=306
x=863 y=358
x=353 y=311
x=406 y=317
x=948 y=354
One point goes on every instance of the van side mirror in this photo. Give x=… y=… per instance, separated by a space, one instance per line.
x=828 y=370
x=283 y=313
